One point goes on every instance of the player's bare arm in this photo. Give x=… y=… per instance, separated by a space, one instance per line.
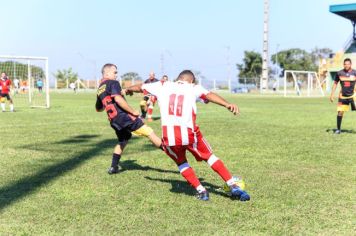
x=137 y=88
x=124 y=105
x=215 y=98
x=333 y=92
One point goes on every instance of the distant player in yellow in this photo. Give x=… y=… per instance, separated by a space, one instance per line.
x=347 y=79
x=149 y=100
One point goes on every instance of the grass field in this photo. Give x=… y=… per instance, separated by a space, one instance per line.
x=301 y=178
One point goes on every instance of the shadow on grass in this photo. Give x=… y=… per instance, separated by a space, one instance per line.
x=128 y=165
x=180 y=186
x=156 y=118
x=77 y=139
x=349 y=131
x=15 y=191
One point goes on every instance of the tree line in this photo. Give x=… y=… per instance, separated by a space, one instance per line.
x=250 y=69
x=20 y=70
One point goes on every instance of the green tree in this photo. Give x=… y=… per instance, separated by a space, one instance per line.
x=251 y=68
x=131 y=76
x=319 y=53
x=294 y=59
x=20 y=71
x=66 y=75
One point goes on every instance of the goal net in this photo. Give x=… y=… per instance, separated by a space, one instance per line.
x=29 y=80
x=302 y=83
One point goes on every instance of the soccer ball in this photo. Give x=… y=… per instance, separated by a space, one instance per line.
x=238 y=181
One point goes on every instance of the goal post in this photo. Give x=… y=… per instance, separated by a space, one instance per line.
x=302 y=83
x=30 y=80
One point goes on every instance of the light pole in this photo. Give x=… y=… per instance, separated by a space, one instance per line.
x=277 y=77
x=264 y=78
x=162 y=59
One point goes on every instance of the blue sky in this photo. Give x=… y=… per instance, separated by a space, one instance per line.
x=191 y=34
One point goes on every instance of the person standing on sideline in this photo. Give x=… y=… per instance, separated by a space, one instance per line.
x=5 y=84
x=16 y=85
x=347 y=95
x=39 y=84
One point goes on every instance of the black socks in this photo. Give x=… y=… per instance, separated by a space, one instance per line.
x=115 y=160
x=339 y=119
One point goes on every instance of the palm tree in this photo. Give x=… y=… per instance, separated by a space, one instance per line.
x=66 y=77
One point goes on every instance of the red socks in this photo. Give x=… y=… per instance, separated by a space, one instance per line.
x=218 y=166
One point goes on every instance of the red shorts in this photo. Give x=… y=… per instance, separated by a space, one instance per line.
x=201 y=150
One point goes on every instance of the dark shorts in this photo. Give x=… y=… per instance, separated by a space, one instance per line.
x=124 y=134
x=7 y=96
x=345 y=103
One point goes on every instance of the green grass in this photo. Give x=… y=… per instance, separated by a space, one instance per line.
x=301 y=178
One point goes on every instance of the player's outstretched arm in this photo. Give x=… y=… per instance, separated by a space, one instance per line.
x=215 y=98
x=137 y=88
x=125 y=106
x=333 y=92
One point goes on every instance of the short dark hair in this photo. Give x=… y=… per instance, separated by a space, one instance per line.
x=107 y=65
x=348 y=59
x=187 y=72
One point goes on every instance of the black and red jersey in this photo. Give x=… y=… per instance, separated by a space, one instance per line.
x=5 y=86
x=347 y=81
x=107 y=91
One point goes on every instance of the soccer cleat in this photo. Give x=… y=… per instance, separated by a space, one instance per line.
x=204 y=196
x=337 y=131
x=238 y=193
x=113 y=170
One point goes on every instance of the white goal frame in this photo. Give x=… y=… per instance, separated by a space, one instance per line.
x=29 y=59
x=311 y=75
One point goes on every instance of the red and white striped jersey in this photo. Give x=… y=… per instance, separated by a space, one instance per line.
x=177 y=101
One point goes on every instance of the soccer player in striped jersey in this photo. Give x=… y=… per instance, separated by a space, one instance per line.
x=180 y=133
x=347 y=95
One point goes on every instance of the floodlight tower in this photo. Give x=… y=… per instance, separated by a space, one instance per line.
x=162 y=60
x=265 y=55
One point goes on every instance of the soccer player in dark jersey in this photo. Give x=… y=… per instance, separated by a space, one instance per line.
x=149 y=100
x=347 y=79
x=5 y=84
x=123 y=119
